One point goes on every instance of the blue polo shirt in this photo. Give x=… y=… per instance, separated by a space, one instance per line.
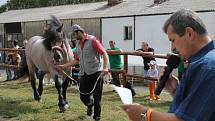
x=195 y=95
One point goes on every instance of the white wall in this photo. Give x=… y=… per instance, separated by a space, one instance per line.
x=209 y=20
x=113 y=29
x=149 y=29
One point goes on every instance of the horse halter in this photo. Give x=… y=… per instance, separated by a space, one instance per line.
x=58 y=52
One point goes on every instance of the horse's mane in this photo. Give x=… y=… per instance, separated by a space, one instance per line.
x=49 y=37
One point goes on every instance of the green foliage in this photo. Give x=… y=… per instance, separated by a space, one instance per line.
x=3 y=8
x=25 y=4
x=17 y=103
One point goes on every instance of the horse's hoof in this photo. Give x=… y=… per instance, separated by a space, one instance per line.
x=64 y=108
x=40 y=100
x=37 y=98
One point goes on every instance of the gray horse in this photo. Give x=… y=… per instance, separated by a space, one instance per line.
x=42 y=53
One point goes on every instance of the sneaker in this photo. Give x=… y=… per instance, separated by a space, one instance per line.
x=89 y=110
x=151 y=98
x=157 y=97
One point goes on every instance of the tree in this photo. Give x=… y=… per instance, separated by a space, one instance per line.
x=25 y=4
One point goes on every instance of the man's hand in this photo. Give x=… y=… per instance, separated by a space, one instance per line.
x=133 y=111
x=105 y=71
x=171 y=83
x=59 y=67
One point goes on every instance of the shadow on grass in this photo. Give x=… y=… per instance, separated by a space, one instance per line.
x=11 y=108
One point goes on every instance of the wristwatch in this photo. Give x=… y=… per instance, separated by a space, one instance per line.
x=143 y=115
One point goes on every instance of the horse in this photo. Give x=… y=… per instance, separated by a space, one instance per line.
x=42 y=53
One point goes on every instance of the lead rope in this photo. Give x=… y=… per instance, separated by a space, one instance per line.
x=78 y=86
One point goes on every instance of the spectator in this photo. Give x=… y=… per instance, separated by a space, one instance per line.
x=9 y=70
x=75 y=72
x=152 y=72
x=23 y=69
x=116 y=61
x=16 y=58
x=148 y=50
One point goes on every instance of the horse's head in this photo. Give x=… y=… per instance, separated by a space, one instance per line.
x=55 y=39
x=58 y=50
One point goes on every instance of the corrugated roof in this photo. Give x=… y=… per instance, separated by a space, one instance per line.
x=100 y=9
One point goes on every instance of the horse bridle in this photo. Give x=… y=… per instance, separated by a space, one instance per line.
x=58 y=47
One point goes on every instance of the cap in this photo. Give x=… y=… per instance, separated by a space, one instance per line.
x=152 y=62
x=76 y=27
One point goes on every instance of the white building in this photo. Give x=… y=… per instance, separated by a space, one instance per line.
x=128 y=23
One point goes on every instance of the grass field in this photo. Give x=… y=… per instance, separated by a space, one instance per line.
x=16 y=103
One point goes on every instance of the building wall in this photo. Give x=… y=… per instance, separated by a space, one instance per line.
x=208 y=19
x=1 y=29
x=67 y=27
x=33 y=28
x=149 y=29
x=91 y=26
x=113 y=29
x=1 y=35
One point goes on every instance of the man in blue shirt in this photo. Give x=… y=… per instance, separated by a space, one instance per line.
x=194 y=96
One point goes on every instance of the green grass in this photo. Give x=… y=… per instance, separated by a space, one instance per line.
x=17 y=103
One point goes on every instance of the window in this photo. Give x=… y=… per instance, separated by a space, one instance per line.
x=128 y=33
x=13 y=27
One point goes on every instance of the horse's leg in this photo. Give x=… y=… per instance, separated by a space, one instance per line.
x=32 y=79
x=62 y=104
x=40 y=77
x=65 y=85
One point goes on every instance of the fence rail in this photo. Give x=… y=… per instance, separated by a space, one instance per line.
x=123 y=71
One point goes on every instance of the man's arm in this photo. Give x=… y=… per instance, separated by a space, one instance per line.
x=134 y=112
x=114 y=51
x=105 y=62
x=69 y=64
x=100 y=49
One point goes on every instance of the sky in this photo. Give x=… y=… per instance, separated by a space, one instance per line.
x=2 y=2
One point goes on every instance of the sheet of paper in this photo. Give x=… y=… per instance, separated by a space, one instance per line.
x=125 y=94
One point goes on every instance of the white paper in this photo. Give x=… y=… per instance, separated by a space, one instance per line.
x=125 y=94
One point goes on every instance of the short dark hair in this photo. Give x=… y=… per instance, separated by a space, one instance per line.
x=111 y=41
x=185 y=18
x=79 y=31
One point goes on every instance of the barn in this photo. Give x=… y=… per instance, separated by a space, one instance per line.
x=128 y=22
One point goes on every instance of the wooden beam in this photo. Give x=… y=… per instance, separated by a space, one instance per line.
x=137 y=53
x=8 y=66
x=11 y=49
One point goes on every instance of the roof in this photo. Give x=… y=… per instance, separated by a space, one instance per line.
x=100 y=9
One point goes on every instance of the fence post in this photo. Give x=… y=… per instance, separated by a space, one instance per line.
x=125 y=69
